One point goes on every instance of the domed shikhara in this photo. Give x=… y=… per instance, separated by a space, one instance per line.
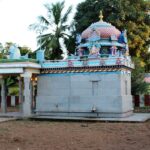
x=102 y=38
x=102 y=29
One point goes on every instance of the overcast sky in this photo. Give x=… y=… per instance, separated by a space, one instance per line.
x=17 y=15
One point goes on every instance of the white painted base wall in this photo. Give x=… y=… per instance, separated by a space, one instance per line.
x=88 y=95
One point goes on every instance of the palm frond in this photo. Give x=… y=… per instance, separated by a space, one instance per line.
x=57 y=21
x=43 y=20
x=44 y=39
x=65 y=35
x=38 y=27
x=48 y=7
x=33 y=26
x=72 y=27
x=49 y=11
x=64 y=27
x=66 y=15
x=57 y=11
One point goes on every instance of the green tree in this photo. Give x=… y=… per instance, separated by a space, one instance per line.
x=147 y=60
x=12 y=85
x=70 y=42
x=139 y=86
x=4 y=50
x=54 y=25
x=124 y=14
x=24 y=50
x=1 y=50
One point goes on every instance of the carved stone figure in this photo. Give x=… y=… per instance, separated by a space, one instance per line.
x=14 y=52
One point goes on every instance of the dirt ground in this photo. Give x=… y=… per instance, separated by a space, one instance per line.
x=54 y=135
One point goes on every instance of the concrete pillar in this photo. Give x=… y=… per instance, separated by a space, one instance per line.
x=20 y=94
x=141 y=100
x=27 y=102
x=13 y=100
x=3 y=95
x=34 y=88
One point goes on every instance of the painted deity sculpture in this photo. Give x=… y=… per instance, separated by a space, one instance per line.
x=94 y=51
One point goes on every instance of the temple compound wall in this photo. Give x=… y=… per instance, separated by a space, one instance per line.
x=100 y=94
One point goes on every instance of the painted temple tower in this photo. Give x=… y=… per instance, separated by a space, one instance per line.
x=101 y=39
x=94 y=82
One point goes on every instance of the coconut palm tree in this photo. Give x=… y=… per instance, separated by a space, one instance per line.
x=54 y=27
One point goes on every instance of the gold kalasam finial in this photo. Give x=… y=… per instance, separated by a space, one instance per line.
x=101 y=15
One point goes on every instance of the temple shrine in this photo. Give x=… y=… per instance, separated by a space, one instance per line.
x=93 y=82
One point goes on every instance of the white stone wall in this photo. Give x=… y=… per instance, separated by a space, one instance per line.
x=107 y=94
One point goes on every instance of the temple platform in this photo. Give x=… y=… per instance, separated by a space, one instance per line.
x=16 y=115
x=6 y=119
x=136 y=117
